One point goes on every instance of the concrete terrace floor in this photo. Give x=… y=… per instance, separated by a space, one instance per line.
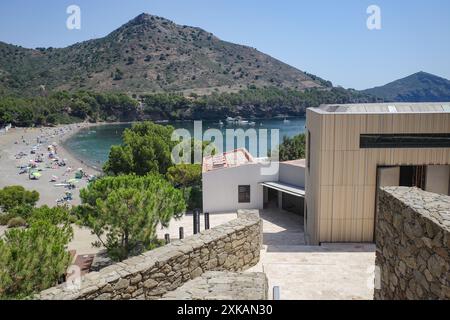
x=327 y=272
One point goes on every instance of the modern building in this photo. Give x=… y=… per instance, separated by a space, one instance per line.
x=352 y=150
x=236 y=180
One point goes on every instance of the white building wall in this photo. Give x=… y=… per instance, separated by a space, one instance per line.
x=292 y=174
x=389 y=177
x=438 y=179
x=220 y=188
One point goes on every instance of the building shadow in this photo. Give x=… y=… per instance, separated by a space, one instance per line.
x=284 y=232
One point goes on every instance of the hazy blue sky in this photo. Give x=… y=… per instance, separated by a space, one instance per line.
x=325 y=37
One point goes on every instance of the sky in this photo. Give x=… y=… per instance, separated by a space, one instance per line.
x=328 y=38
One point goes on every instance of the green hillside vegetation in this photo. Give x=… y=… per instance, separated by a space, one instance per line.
x=146 y=55
x=151 y=69
x=419 y=87
x=65 y=107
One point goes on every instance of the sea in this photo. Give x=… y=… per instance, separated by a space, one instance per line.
x=92 y=145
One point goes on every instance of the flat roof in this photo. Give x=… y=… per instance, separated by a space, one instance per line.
x=388 y=107
x=286 y=188
x=239 y=157
x=229 y=159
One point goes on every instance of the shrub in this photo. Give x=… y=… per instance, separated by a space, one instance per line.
x=5 y=217
x=17 y=222
x=23 y=211
x=33 y=259
x=15 y=196
x=55 y=215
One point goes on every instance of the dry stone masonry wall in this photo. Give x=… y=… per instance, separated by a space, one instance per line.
x=223 y=285
x=413 y=241
x=234 y=246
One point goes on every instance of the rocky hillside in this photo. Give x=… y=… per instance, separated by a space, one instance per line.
x=419 y=87
x=148 y=54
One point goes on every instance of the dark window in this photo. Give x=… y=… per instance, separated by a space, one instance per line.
x=413 y=176
x=244 y=194
x=413 y=140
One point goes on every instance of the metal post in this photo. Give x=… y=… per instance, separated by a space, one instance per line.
x=198 y=221
x=276 y=293
x=181 y=233
x=167 y=238
x=195 y=220
x=206 y=220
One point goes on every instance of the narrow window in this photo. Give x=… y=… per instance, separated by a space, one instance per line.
x=308 y=149
x=244 y=194
x=405 y=140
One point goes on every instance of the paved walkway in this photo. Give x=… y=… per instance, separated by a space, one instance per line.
x=330 y=271
x=187 y=223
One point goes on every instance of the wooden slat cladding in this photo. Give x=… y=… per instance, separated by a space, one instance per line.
x=341 y=183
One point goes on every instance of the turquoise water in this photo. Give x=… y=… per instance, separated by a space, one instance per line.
x=92 y=145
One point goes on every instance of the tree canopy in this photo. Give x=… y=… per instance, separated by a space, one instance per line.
x=257 y=102
x=64 y=107
x=146 y=148
x=292 y=148
x=35 y=258
x=124 y=211
x=185 y=175
x=15 y=196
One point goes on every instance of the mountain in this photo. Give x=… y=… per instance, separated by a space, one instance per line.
x=419 y=87
x=148 y=54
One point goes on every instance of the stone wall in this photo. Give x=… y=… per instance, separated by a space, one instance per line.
x=234 y=246
x=413 y=244
x=223 y=285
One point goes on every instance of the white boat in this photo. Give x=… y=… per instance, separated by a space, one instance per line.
x=62 y=185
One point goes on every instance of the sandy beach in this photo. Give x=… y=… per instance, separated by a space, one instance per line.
x=23 y=140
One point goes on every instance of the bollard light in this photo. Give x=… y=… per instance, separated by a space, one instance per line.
x=181 y=233
x=276 y=293
x=207 y=221
x=195 y=221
